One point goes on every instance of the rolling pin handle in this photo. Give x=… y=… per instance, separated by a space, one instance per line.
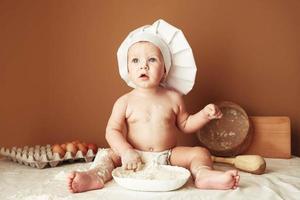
x=223 y=160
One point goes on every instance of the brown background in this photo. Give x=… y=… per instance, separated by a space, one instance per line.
x=58 y=67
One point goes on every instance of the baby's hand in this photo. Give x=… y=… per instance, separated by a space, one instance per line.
x=131 y=160
x=211 y=111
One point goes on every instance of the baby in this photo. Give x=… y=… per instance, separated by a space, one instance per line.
x=145 y=121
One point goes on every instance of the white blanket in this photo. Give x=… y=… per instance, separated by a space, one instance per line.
x=281 y=181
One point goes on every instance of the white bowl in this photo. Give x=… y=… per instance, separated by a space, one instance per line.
x=154 y=182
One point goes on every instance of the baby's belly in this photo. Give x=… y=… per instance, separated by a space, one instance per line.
x=152 y=140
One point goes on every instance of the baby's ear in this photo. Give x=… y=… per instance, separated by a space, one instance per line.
x=163 y=79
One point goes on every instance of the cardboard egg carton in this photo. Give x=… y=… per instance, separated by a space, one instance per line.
x=43 y=156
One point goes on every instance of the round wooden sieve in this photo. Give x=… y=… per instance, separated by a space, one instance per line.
x=229 y=136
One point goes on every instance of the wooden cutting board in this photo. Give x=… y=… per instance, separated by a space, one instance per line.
x=271 y=137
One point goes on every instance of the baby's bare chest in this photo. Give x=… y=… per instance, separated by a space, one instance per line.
x=156 y=112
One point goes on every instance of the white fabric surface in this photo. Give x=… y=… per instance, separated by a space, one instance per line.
x=281 y=181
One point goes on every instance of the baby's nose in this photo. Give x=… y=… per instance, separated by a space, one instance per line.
x=144 y=66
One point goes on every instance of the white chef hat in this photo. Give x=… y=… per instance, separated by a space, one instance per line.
x=177 y=53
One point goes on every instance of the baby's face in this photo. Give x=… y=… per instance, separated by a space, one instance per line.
x=145 y=65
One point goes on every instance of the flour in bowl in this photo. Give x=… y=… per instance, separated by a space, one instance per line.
x=152 y=172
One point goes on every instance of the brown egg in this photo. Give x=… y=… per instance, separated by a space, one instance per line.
x=63 y=146
x=56 y=148
x=84 y=144
x=92 y=146
x=82 y=148
x=70 y=147
x=76 y=142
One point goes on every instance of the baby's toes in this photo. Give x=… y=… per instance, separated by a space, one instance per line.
x=71 y=189
x=236 y=181
x=70 y=178
x=71 y=175
x=74 y=187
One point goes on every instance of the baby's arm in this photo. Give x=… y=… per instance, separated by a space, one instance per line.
x=191 y=123
x=116 y=127
x=116 y=136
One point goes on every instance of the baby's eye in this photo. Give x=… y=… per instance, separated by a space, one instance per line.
x=152 y=60
x=135 y=60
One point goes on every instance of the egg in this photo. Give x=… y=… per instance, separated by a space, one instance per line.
x=92 y=146
x=56 y=148
x=76 y=142
x=81 y=147
x=70 y=147
x=84 y=144
x=63 y=146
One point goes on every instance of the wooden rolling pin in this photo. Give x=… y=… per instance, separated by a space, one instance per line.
x=250 y=163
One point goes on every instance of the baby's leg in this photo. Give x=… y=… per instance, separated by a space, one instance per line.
x=97 y=175
x=198 y=160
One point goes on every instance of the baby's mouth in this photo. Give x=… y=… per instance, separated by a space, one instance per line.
x=143 y=76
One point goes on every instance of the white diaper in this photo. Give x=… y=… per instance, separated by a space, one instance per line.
x=162 y=158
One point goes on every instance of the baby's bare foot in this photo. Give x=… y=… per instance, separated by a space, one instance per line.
x=211 y=179
x=83 y=181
